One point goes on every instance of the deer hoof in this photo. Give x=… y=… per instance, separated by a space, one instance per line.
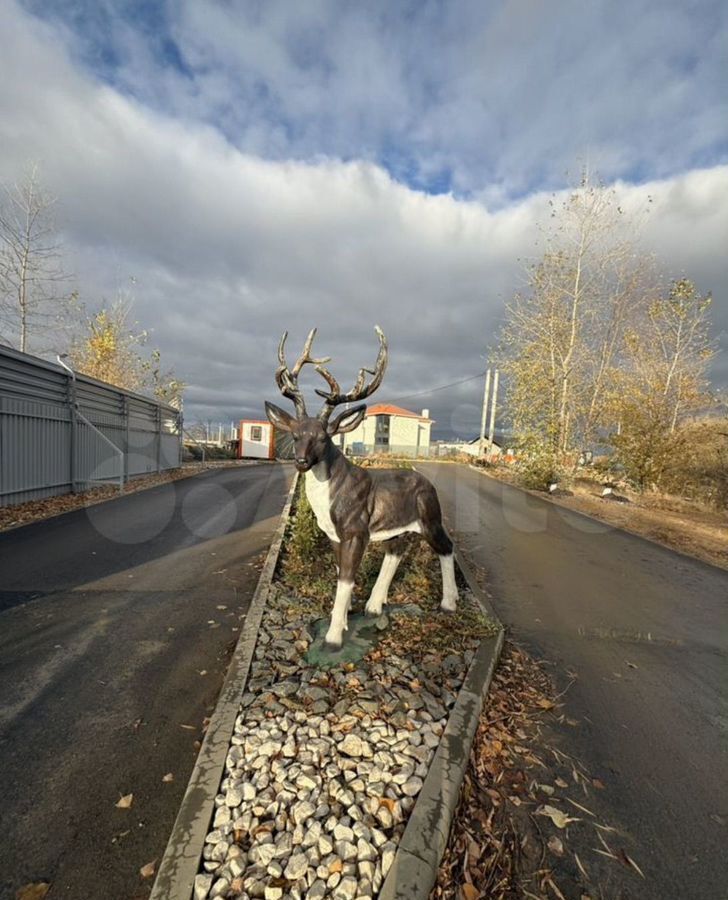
x=373 y=612
x=448 y=607
x=333 y=645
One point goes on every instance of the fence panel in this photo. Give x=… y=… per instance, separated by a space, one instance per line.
x=46 y=449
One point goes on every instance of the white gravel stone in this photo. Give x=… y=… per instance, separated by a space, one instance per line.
x=353 y=745
x=203 y=883
x=343 y=833
x=367 y=869
x=325 y=844
x=220 y=888
x=364 y=850
x=388 y=852
x=302 y=811
x=284 y=845
x=412 y=786
x=347 y=889
x=273 y=893
x=297 y=867
x=234 y=797
x=345 y=850
x=264 y=854
x=317 y=891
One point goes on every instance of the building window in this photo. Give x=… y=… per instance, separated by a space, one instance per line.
x=256 y=433
x=381 y=431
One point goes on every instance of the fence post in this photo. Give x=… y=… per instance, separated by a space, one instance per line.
x=73 y=409
x=159 y=439
x=74 y=432
x=125 y=414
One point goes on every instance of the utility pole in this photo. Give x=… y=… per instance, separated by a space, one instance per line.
x=491 y=429
x=486 y=395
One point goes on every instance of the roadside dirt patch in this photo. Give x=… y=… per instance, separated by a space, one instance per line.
x=528 y=825
x=679 y=524
x=34 y=510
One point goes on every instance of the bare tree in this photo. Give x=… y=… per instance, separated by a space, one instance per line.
x=34 y=298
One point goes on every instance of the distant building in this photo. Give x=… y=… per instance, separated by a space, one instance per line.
x=389 y=429
x=256 y=440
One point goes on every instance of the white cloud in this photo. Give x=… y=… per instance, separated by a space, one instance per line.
x=228 y=248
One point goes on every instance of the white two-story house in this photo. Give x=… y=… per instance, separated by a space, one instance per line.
x=389 y=429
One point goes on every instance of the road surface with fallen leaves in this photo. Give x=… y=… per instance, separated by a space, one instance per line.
x=116 y=625
x=637 y=638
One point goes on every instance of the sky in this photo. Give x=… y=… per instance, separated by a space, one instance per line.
x=246 y=168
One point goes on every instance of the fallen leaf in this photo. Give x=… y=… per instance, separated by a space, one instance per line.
x=555 y=846
x=148 y=870
x=187 y=727
x=35 y=891
x=203 y=671
x=168 y=777
x=545 y=704
x=559 y=818
x=598 y=784
x=388 y=802
x=221 y=606
x=561 y=783
x=469 y=892
x=336 y=866
x=125 y=802
x=628 y=861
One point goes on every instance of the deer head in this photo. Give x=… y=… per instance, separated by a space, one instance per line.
x=312 y=436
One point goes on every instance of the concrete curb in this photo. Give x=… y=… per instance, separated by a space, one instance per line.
x=181 y=860
x=414 y=870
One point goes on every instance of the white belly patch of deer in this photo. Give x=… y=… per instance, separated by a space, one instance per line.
x=353 y=505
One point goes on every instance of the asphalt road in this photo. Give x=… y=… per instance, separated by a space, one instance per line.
x=644 y=632
x=109 y=616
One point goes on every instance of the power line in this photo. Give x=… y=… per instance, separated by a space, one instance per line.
x=442 y=387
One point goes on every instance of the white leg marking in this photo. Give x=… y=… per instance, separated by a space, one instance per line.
x=339 y=614
x=449 y=587
x=378 y=596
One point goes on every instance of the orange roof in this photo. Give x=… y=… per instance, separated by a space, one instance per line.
x=388 y=409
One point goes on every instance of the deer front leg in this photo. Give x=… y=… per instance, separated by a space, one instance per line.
x=350 y=555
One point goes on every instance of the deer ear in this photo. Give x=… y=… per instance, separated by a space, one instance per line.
x=279 y=417
x=347 y=421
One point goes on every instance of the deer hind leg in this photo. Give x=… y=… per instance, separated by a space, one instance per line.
x=438 y=539
x=350 y=554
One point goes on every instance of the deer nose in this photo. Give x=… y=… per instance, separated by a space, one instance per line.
x=301 y=460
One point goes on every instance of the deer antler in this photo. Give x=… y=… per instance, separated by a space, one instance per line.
x=361 y=389
x=287 y=379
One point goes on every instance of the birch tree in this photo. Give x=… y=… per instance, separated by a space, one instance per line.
x=34 y=295
x=563 y=335
x=662 y=380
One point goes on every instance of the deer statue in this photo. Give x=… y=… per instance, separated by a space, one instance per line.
x=353 y=505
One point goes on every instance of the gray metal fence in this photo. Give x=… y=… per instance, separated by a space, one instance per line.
x=60 y=433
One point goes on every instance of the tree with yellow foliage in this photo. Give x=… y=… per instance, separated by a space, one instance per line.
x=112 y=349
